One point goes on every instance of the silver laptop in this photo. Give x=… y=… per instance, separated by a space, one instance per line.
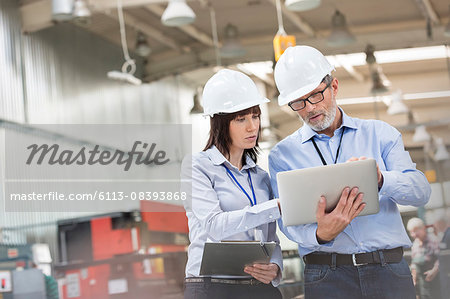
x=300 y=190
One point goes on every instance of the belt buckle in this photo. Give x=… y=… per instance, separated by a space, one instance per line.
x=354 y=261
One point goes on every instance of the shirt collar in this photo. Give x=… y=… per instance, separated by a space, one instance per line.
x=217 y=158
x=307 y=133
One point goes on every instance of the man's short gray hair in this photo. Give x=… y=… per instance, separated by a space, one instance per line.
x=414 y=223
x=327 y=79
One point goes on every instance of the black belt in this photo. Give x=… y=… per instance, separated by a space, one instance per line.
x=394 y=255
x=248 y=281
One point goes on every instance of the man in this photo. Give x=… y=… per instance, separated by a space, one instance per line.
x=443 y=231
x=345 y=257
x=424 y=260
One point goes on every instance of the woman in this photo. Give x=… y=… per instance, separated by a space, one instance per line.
x=231 y=195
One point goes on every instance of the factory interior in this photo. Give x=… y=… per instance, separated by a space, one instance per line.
x=99 y=71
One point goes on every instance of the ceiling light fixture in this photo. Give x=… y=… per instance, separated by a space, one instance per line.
x=441 y=150
x=232 y=46
x=142 y=48
x=62 y=10
x=197 y=108
x=380 y=83
x=81 y=12
x=177 y=13
x=301 y=5
x=421 y=134
x=340 y=34
x=125 y=77
x=397 y=106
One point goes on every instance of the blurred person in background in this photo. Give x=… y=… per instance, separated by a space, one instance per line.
x=230 y=197
x=441 y=226
x=424 y=260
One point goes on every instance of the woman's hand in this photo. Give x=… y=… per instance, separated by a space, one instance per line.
x=263 y=272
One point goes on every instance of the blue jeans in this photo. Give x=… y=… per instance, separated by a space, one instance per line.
x=208 y=290
x=375 y=281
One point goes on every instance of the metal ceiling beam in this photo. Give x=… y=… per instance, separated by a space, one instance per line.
x=134 y=22
x=349 y=68
x=296 y=20
x=259 y=49
x=264 y=78
x=188 y=29
x=109 y=4
x=36 y=15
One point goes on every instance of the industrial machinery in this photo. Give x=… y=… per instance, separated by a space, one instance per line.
x=123 y=255
x=18 y=278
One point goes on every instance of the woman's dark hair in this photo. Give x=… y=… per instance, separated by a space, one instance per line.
x=219 y=133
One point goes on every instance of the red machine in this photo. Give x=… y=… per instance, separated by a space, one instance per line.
x=123 y=255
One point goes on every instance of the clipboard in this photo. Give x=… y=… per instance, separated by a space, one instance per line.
x=230 y=258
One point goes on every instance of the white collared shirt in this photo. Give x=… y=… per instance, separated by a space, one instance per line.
x=217 y=209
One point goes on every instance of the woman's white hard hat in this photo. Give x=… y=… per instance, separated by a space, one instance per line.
x=230 y=91
x=299 y=71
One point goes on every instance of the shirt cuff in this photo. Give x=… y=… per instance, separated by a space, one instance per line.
x=316 y=243
x=277 y=258
x=389 y=183
x=312 y=239
x=271 y=209
x=276 y=281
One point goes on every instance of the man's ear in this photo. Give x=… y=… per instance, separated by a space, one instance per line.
x=335 y=86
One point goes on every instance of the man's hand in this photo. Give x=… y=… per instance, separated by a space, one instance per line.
x=263 y=272
x=329 y=225
x=431 y=274
x=379 y=174
x=414 y=275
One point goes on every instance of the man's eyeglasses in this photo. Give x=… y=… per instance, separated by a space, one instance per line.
x=312 y=99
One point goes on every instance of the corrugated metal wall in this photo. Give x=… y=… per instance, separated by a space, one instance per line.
x=58 y=76
x=11 y=91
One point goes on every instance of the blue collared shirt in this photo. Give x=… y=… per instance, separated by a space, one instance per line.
x=218 y=210
x=403 y=183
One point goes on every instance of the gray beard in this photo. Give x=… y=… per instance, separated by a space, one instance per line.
x=327 y=120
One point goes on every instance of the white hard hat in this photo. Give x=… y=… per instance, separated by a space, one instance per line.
x=230 y=91
x=299 y=71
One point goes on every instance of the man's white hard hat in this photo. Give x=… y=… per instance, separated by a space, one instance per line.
x=299 y=71
x=230 y=91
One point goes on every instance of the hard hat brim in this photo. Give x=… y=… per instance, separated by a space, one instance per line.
x=240 y=107
x=283 y=100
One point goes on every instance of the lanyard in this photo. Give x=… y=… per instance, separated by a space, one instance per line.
x=252 y=203
x=337 y=153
